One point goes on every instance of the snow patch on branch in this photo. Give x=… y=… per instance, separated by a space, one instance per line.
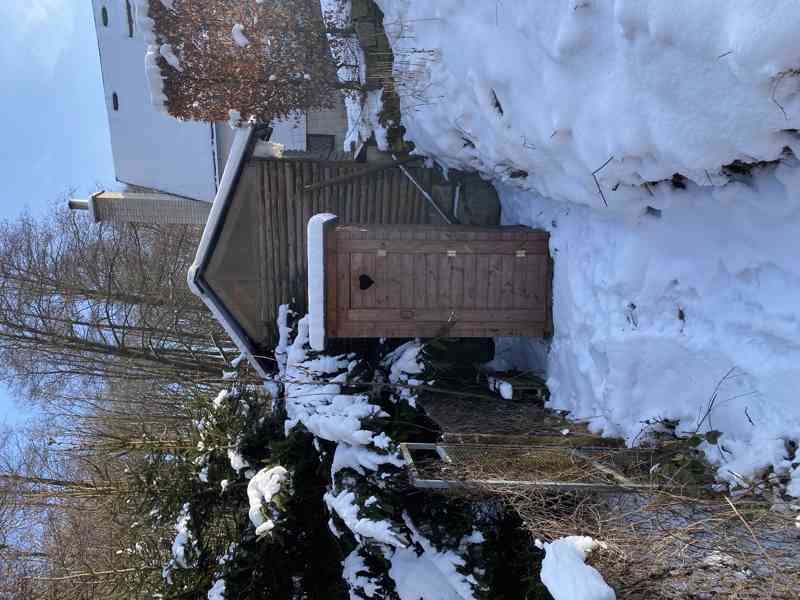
x=261 y=491
x=344 y=505
x=238 y=36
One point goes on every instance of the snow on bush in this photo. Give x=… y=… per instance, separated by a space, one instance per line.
x=566 y=574
x=238 y=36
x=431 y=573
x=675 y=289
x=261 y=491
x=183 y=545
x=356 y=573
x=404 y=365
x=344 y=505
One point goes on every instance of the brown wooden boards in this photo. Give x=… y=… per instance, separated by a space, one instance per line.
x=438 y=281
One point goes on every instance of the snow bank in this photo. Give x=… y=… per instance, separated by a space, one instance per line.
x=555 y=89
x=651 y=315
x=566 y=574
x=672 y=292
x=261 y=490
x=168 y=54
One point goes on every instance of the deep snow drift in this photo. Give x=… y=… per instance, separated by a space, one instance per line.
x=676 y=292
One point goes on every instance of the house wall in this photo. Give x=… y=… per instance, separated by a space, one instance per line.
x=150 y=149
x=329 y=122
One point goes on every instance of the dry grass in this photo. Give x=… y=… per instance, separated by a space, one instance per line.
x=676 y=542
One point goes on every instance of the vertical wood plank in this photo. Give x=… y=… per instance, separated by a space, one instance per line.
x=522 y=279
x=356 y=268
x=495 y=281
x=457 y=281
x=368 y=268
x=406 y=280
x=287 y=220
x=342 y=290
x=431 y=280
x=444 y=283
x=420 y=279
x=508 y=291
x=470 y=281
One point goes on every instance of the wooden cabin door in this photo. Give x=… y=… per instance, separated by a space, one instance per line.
x=408 y=281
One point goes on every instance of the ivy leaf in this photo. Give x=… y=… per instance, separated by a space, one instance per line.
x=712 y=437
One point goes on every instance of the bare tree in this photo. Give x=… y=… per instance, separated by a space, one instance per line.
x=81 y=304
x=286 y=65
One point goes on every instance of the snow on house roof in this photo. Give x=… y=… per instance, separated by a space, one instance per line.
x=150 y=148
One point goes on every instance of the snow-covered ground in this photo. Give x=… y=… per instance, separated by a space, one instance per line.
x=666 y=295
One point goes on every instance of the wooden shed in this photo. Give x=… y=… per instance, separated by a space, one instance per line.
x=252 y=256
x=377 y=280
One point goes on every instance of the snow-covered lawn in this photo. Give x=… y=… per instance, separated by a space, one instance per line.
x=666 y=295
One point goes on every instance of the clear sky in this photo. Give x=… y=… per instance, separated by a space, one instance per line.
x=52 y=113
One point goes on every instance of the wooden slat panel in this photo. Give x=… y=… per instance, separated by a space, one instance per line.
x=431 y=280
x=507 y=278
x=470 y=280
x=525 y=272
x=391 y=329
x=406 y=280
x=495 y=281
x=342 y=292
x=278 y=172
x=444 y=283
x=457 y=281
x=420 y=280
x=482 y=276
x=368 y=268
x=437 y=246
x=356 y=267
x=441 y=315
x=273 y=237
x=382 y=275
x=331 y=281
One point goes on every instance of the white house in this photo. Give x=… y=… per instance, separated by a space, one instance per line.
x=154 y=150
x=150 y=148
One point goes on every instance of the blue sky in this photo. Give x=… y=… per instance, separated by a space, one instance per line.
x=52 y=113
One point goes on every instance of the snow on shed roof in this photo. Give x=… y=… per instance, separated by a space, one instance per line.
x=196 y=276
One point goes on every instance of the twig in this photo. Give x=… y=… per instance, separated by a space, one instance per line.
x=597 y=182
x=775 y=85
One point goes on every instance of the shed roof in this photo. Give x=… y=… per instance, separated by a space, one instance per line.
x=225 y=281
x=252 y=255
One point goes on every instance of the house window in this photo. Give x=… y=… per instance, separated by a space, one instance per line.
x=104 y=16
x=130 y=17
x=115 y=101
